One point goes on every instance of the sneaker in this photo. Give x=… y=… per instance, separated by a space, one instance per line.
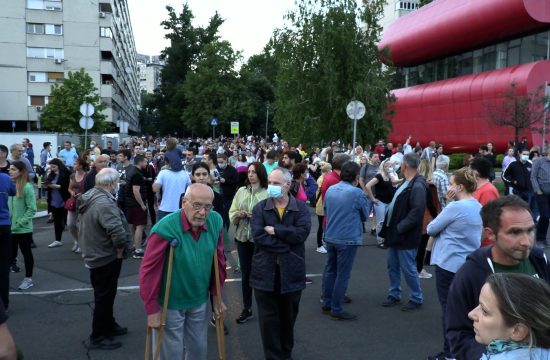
x=75 y=246
x=15 y=269
x=373 y=231
x=246 y=315
x=321 y=249
x=103 y=343
x=411 y=306
x=381 y=245
x=25 y=284
x=78 y=251
x=343 y=316
x=118 y=330
x=55 y=244
x=213 y=324
x=424 y=274
x=138 y=254
x=308 y=281
x=325 y=310
x=347 y=299
x=391 y=301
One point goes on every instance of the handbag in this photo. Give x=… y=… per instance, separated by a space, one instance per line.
x=70 y=204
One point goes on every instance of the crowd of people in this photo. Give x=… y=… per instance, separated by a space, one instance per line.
x=193 y=191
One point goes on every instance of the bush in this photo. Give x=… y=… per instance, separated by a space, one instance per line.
x=457 y=160
x=499 y=159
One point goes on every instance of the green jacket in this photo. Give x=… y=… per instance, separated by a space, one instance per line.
x=22 y=210
x=245 y=200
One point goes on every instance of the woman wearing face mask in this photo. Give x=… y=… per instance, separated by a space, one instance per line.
x=457 y=233
x=381 y=197
x=240 y=213
x=57 y=184
x=513 y=317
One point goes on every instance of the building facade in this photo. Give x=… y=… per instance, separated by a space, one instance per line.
x=149 y=69
x=42 y=40
x=457 y=56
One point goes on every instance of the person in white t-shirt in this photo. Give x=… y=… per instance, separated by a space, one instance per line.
x=173 y=184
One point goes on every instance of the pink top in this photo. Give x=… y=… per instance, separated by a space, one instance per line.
x=152 y=265
x=301 y=195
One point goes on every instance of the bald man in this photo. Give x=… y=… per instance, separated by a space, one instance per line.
x=199 y=231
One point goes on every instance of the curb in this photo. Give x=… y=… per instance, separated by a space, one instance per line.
x=40 y=214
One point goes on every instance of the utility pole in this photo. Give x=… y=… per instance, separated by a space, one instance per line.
x=266 y=118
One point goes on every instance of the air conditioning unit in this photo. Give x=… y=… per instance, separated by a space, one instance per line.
x=40 y=108
x=102 y=14
x=59 y=61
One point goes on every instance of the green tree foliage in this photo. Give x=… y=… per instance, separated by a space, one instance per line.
x=214 y=89
x=519 y=111
x=327 y=56
x=62 y=113
x=149 y=117
x=186 y=45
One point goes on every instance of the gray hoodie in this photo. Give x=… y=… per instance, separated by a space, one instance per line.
x=103 y=228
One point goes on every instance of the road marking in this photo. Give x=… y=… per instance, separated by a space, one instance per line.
x=121 y=288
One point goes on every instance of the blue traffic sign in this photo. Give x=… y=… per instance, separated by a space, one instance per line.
x=214 y=121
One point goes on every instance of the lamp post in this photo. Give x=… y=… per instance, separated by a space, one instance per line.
x=266 y=118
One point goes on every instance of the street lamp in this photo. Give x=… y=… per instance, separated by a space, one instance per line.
x=266 y=118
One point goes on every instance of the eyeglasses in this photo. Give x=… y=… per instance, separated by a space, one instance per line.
x=199 y=206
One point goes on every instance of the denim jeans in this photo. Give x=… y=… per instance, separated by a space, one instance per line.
x=185 y=334
x=543 y=202
x=336 y=276
x=403 y=260
x=380 y=209
x=443 y=279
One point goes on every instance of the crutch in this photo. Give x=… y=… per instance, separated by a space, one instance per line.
x=173 y=243
x=219 y=320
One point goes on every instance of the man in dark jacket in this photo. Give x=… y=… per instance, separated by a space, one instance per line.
x=508 y=222
x=518 y=176
x=402 y=230
x=280 y=226
x=104 y=238
x=228 y=186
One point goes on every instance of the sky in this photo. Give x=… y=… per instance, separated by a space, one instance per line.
x=248 y=24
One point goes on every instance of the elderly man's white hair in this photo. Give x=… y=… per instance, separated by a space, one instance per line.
x=195 y=186
x=442 y=162
x=106 y=177
x=287 y=174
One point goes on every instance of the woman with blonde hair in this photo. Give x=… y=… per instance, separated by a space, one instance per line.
x=22 y=208
x=457 y=233
x=319 y=211
x=433 y=207
x=382 y=196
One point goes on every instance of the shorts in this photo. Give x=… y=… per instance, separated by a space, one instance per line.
x=136 y=216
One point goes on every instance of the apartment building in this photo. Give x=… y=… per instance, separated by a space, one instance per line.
x=42 y=40
x=149 y=69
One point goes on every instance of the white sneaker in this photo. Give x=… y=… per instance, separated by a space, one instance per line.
x=424 y=274
x=321 y=249
x=75 y=246
x=55 y=244
x=78 y=251
x=25 y=284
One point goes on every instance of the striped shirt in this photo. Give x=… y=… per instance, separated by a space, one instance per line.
x=540 y=173
x=441 y=182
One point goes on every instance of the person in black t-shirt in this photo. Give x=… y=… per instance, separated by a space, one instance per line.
x=136 y=209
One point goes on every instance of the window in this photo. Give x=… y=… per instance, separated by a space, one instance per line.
x=56 y=5
x=37 y=100
x=35 y=28
x=37 y=76
x=105 y=32
x=56 y=77
x=44 y=53
x=52 y=29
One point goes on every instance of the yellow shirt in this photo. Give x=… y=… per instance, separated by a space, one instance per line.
x=281 y=212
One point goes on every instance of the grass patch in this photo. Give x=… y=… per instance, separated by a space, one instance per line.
x=41 y=205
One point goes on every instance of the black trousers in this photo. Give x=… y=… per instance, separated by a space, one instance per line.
x=104 y=280
x=421 y=253
x=5 y=262
x=59 y=221
x=320 y=231
x=246 y=250
x=151 y=207
x=277 y=315
x=23 y=242
x=225 y=213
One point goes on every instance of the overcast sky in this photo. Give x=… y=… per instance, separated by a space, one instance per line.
x=248 y=23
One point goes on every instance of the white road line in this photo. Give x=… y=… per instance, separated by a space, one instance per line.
x=121 y=288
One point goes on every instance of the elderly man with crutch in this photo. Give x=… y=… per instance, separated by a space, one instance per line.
x=185 y=252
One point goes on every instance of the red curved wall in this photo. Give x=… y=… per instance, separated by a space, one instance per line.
x=453 y=112
x=447 y=27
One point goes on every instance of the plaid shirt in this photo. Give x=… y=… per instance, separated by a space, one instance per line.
x=441 y=182
x=540 y=173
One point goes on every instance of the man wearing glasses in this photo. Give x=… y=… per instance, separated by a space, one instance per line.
x=199 y=232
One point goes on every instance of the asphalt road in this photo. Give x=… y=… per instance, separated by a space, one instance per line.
x=51 y=320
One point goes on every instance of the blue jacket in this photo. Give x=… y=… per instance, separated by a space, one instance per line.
x=520 y=354
x=464 y=296
x=7 y=188
x=345 y=210
x=284 y=250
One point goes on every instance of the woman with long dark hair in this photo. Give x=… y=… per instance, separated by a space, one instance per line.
x=254 y=191
x=57 y=184
x=76 y=188
x=22 y=209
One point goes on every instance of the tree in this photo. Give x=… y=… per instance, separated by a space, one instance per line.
x=519 y=111
x=214 y=89
x=149 y=117
x=62 y=113
x=186 y=44
x=327 y=56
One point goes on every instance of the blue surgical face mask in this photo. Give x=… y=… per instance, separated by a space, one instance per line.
x=525 y=157
x=275 y=191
